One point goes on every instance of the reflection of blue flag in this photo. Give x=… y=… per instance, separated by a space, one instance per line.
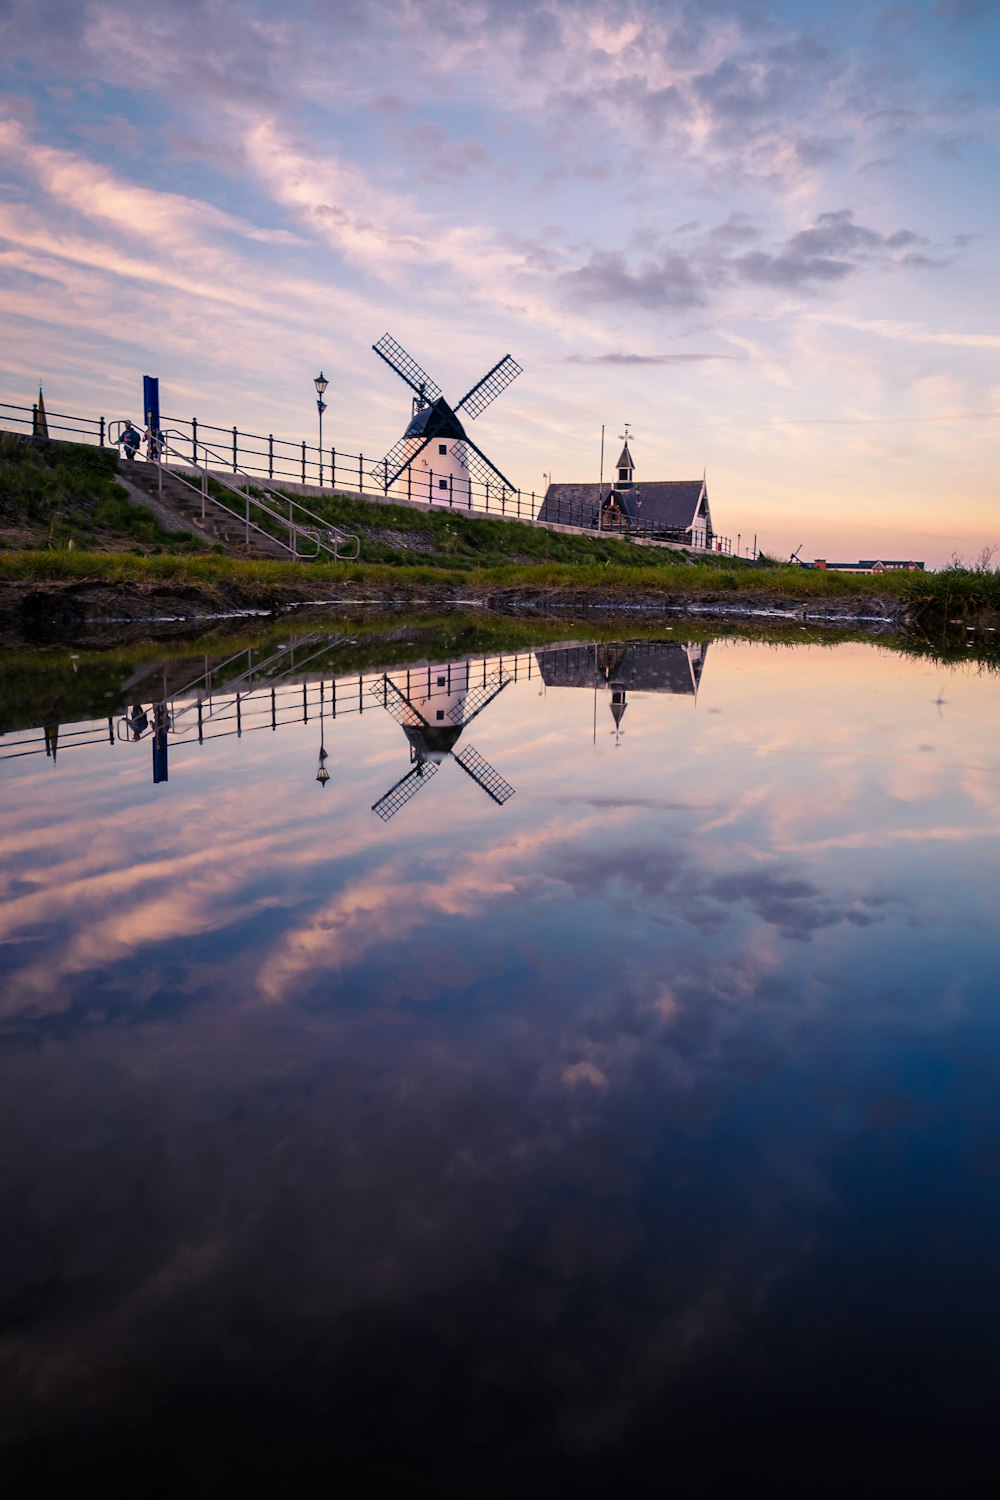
x=151 y=402
x=321 y=407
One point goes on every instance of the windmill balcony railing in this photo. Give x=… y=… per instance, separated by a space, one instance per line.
x=224 y=449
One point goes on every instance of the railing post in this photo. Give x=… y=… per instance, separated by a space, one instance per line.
x=409 y=482
x=361 y=473
x=303 y=463
x=204 y=492
x=487 y=497
x=333 y=468
x=451 y=490
x=503 y=501
x=194 y=441
x=270 y=455
x=385 y=477
x=102 y=432
x=519 y=505
x=247 y=520
x=235 y=463
x=430 y=487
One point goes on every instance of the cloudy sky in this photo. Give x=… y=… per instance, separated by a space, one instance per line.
x=763 y=233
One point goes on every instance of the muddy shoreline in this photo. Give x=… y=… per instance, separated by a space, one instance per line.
x=39 y=612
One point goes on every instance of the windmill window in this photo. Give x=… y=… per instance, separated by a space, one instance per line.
x=442 y=682
x=440 y=713
x=442 y=447
x=442 y=484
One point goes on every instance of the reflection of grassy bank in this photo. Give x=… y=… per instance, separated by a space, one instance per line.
x=53 y=685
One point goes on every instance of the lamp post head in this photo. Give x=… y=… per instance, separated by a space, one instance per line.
x=322 y=776
x=320 y=383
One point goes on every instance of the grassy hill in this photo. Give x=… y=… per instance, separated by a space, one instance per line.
x=63 y=520
x=64 y=495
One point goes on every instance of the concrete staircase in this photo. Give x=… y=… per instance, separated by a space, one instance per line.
x=179 y=508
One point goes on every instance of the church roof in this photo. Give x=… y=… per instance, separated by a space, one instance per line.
x=642 y=666
x=672 y=503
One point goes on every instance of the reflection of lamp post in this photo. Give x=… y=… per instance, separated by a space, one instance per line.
x=321 y=384
x=322 y=774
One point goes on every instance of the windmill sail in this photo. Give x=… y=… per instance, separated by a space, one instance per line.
x=477 y=697
x=484 y=775
x=481 y=468
x=398 y=458
x=407 y=368
x=396 y=702
x=492 y=385
x=406 y=787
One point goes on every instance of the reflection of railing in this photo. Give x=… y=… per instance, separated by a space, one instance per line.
x=220 y=712
x=240 y=694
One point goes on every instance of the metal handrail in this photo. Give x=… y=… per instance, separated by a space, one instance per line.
x=324 y=536
x=330 y=531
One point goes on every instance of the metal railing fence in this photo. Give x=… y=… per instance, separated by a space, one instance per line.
x=301 y=462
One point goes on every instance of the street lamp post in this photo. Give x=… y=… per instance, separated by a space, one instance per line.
x=321 y=384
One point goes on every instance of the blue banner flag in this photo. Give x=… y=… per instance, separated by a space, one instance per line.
x=151 y=402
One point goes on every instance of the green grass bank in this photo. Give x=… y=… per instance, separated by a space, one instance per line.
x=69 y=535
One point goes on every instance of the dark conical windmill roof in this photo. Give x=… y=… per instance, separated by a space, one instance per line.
x=436 y=420
x=625 y=462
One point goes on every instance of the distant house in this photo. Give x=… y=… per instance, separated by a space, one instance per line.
x=678 y=508
x=869 y=565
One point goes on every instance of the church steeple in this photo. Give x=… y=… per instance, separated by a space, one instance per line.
x=625 y=466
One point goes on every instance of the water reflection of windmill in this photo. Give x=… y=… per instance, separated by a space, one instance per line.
x=448 y=701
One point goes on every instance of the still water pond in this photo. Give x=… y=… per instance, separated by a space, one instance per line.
x=592 y=1086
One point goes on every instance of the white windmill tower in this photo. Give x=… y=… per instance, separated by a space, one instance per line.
x=433 y=713
x=435 y=459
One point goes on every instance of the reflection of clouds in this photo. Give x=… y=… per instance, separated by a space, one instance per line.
x=677 y=889
x=578 y=1079
x=389 y=904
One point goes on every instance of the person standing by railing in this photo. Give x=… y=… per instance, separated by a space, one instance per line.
x=129 y=440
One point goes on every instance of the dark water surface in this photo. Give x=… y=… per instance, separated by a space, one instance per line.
x=637 y=1131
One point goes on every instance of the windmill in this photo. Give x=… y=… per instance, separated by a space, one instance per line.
x=448 y=700
x=449 y=459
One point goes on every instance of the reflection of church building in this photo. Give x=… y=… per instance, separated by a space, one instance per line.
x=675 y=506
x=623 y=667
